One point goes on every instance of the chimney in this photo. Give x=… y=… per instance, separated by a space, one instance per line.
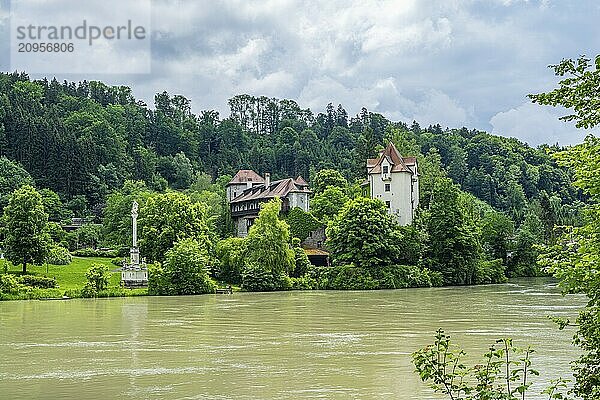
x=267 y=180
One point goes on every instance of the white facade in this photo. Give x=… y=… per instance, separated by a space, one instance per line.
x=395 y=183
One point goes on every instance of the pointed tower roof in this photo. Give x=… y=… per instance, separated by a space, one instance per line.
x=246 y=175
x=393 y=156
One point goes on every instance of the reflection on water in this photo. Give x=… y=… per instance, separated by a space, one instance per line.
x=267 y=345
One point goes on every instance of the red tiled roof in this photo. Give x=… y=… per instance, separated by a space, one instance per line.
x=246 y=175
x=392 y=155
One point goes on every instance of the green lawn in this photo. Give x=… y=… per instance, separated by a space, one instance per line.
x=72 y=277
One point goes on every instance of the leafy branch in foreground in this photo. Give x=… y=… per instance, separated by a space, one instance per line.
x=504 y=373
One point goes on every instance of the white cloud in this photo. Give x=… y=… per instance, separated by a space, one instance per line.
x=454 y=62
x=535 y=125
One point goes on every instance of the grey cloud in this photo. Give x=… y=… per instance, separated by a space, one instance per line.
x=453 y=62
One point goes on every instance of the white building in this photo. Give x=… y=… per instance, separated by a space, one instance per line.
x=247 y=190
x=394 y=180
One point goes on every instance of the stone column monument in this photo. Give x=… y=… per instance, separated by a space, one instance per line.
x=135 y=273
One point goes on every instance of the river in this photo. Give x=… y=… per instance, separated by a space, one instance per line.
x=286 y=345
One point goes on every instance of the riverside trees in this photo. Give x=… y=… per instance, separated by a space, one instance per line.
x=575 y=257
x=26 y=239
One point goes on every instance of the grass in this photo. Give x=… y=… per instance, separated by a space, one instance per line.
x=71 y=278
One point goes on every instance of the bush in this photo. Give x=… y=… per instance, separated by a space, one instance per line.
x=59 y=256
x=407 y=276
x=88 y=252
x=9 y=284
x=42 y=282
x=490 y=272
x=258 y=279
x=185 y=271
x=301 y=262
x=230 y=253
x=118 y=261
x=97 y=276
x=304 y=282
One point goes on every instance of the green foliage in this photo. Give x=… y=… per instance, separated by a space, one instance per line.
x=325 y=205
x=41 y=282
x=452 y=246
x=304 y=282
x=9 y=284
x=328 y=178
x=171 y=217
x=364 y=234
x=268 y=240
x=25 y=228
x=87 y=252
x=407 y=276
x=491 y=271
x=574 y=257
x=185 y=271
x=230 y=253
x=12 y=177
x=54 y=206
x=87 y=236
x=301 y=223
x=504 y=373
x=301 y=262
x=117 y=213
x=577 y=91
x=59 y=256
x=97 y=280
x=256 y=278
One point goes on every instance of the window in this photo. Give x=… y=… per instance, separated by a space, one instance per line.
x=387 y=187
x=385 y=169
x=249 y=179
x=387 y=203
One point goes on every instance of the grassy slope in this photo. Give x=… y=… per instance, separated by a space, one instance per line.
x=72 y=277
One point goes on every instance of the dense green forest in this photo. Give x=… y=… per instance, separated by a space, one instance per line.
x=91 y=149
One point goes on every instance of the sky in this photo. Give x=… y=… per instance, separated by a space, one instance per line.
x=456 y=63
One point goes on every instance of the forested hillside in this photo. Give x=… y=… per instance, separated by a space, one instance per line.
x=91 y=150
x=85 y=139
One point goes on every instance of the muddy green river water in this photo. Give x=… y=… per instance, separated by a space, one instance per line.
x=287 y=345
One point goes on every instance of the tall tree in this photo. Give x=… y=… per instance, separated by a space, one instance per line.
x=25 y=228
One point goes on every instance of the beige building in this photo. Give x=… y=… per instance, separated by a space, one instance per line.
x=394 y=180
x=247 y=190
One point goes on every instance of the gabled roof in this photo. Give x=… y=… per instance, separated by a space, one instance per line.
x=279 y=188
x=246 y=175
x=300 y=181
x=393 y=157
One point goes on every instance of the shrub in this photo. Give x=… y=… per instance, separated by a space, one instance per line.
x=406 y=276
x=257 y=279
x=490 y=272
x=185 y=271
x=304 y=282
x=230 y=253
x=9 y=284
x=59 y=256
x=88 y=252
x=301 y=262
x=97 y=276
x=42 y=282
x=118 y=261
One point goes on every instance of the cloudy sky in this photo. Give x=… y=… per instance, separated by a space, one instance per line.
x=457 y=63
